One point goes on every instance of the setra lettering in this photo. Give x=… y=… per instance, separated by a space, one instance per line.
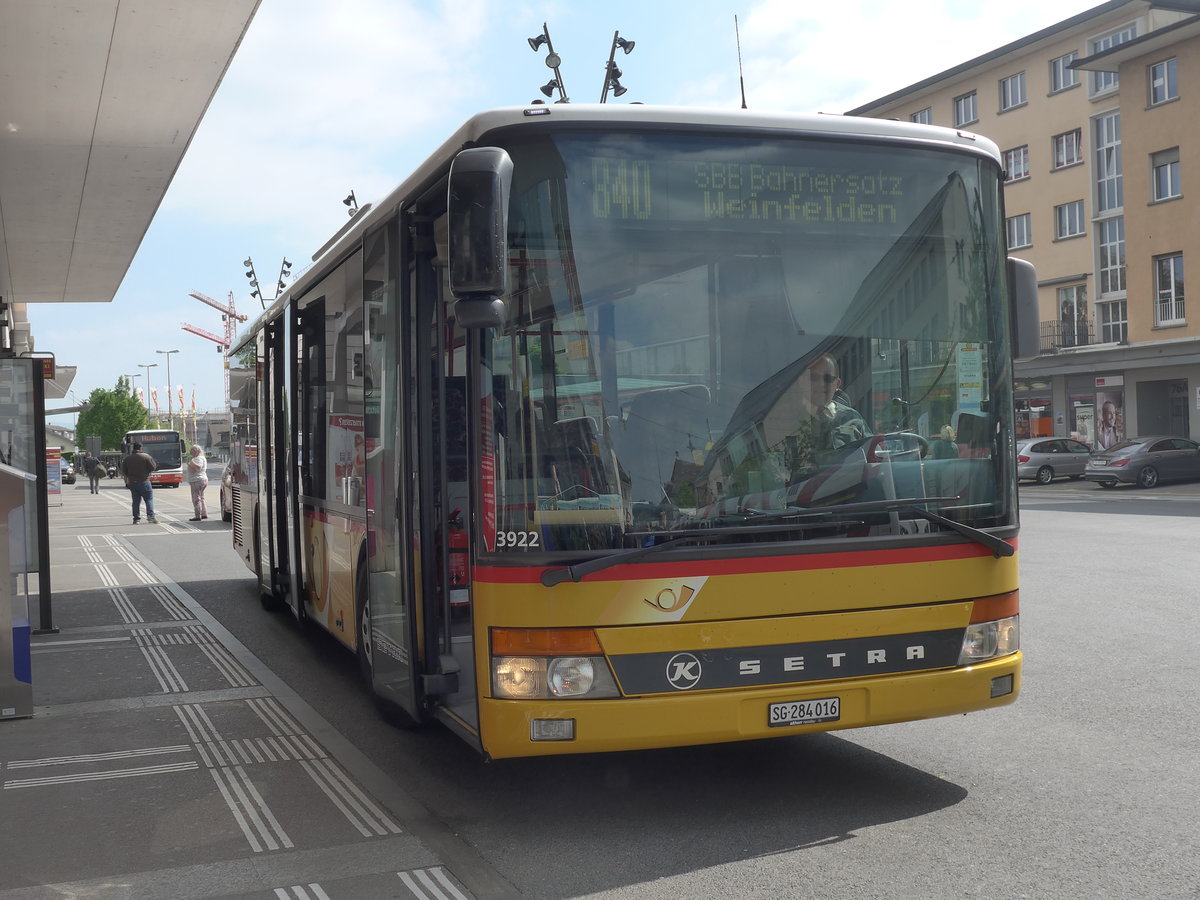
x=838 y=660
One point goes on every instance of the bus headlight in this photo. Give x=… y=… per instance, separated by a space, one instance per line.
x=552 y=678
x=519 y=677
x=987 y=640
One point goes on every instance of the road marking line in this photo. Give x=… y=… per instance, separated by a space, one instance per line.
x=47 y=645
x=195 y=719
x=120 y=599
x=94 y=757
x=164 y=670
x=101 y=776
x=444 y=889
x=249 y=808
x=359 y=810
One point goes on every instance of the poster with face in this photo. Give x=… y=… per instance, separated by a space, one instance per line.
x=1110 y=425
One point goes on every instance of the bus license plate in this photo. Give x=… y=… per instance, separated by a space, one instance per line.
x=804 y=712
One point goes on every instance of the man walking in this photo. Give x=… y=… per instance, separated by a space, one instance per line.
x=91 y=466
x=136 y=467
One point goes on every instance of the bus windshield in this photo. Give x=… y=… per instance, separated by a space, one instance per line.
x=715 y=332
x=163 y=446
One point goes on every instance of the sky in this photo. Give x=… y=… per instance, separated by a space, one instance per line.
x=324 y=98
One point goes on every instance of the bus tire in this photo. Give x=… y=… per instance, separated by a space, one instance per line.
x=390 y=711
x=267 y=597
x=364 y=643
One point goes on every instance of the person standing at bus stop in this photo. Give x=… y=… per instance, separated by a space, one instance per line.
x=197 y=476
x=136 y=467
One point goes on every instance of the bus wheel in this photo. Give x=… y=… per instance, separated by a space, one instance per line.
x=390 y=711
x=365 y=643
x=266 y=596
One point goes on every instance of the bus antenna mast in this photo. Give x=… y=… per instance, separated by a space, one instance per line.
x=741 y=78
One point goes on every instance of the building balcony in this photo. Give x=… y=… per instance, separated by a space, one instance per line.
x=1057 y=335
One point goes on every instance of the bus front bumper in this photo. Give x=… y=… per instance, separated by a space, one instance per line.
x=677 y=720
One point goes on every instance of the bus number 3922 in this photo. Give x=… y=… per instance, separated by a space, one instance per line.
x=519 y=540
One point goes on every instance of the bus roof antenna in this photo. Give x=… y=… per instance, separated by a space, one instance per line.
x=741 y=78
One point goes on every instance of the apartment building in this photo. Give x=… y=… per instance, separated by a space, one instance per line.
x=1098 y=118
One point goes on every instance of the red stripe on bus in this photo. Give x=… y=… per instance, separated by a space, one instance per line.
x=746 y=566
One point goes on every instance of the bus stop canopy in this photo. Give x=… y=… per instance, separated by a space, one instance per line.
x=98 y=103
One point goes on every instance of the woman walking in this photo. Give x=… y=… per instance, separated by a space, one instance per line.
x=197 y=476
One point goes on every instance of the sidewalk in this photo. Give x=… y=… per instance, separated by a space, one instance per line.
x=165 y=761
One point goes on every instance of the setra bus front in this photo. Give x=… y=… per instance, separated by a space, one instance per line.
x=744 y=429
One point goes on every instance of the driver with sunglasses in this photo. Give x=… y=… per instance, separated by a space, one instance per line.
x=824 y=419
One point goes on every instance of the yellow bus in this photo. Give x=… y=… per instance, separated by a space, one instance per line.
x=619 y=427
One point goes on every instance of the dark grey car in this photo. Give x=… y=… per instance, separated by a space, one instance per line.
x=1145 y=461
x=1044 y=459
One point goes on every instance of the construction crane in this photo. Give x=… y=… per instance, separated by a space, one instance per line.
x=229 y=315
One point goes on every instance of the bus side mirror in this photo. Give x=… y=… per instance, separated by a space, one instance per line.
x=1022 y=286
x=477 y=234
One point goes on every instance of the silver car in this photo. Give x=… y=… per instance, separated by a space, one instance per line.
x=1145 y=461
x=1044 y=459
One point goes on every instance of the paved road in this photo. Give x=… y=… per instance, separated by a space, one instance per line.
x=164 y=760
x=1088 y=787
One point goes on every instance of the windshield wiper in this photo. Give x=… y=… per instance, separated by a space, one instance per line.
x=998 y=546
x=579 y=571
x=776 y=521
x=916 y=506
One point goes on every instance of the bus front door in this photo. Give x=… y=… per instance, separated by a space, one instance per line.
x=445 y=473
x=274 y=460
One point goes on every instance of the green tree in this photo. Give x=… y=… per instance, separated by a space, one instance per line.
x=112 y=414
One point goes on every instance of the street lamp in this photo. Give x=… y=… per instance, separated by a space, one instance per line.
x=170 y=415
x=147 y=367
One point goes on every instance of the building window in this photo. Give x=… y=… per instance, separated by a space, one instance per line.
x=1114 y=326
x=1112 y=255
x=965 y=109
x=1061 y=75
x=1016 y=163
x=1165 y=167
x=1068 y=220
x=1012 y=91
x=1020 y=232
x=1073 y=316
x=1103 y=82
x=1163 y=85
x=1168 y=289
x=922 y=116
x=1068 y=148
x=1110 y=191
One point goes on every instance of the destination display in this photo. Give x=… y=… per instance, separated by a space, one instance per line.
x=633 y=189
